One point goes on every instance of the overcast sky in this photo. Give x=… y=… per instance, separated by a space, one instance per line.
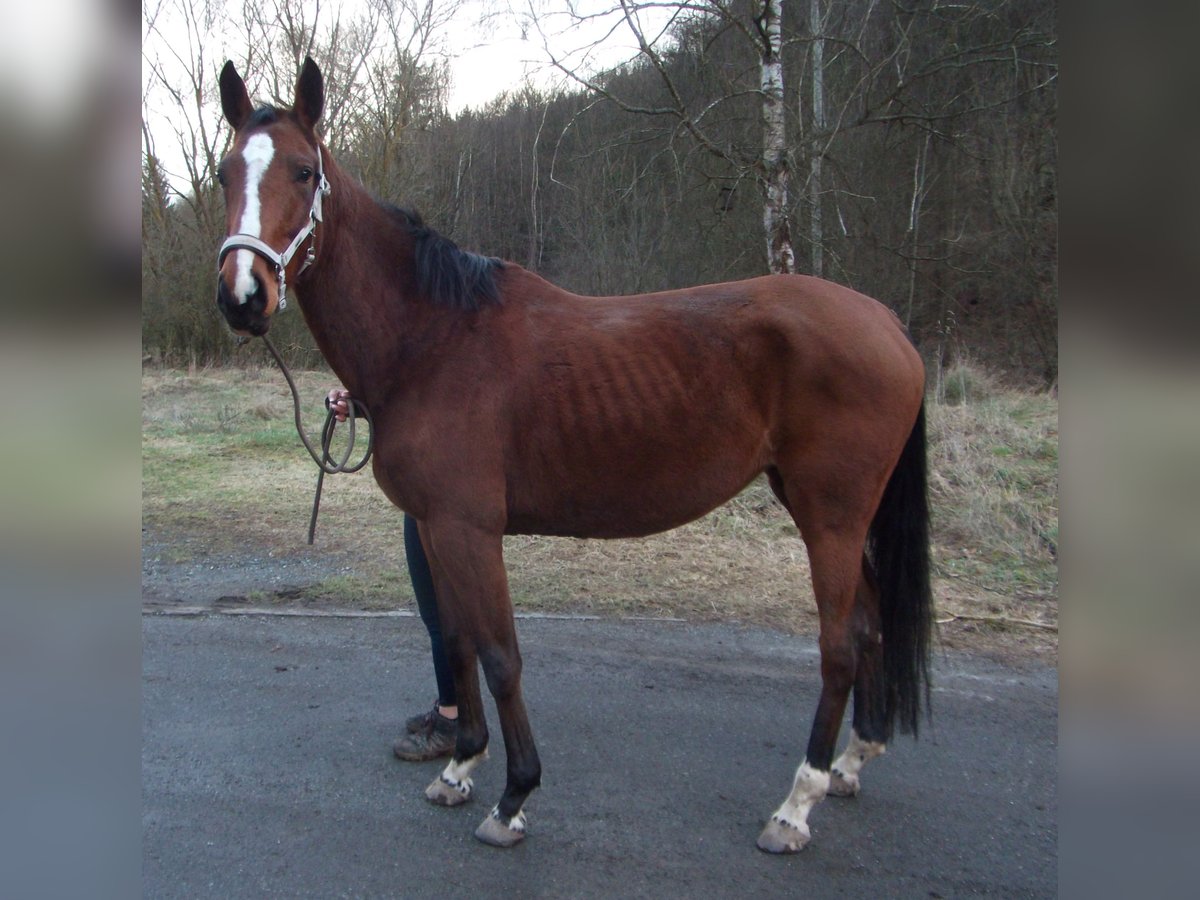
x=493 y=46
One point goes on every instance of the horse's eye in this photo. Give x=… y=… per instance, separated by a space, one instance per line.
x=304 y=174
x=220 y=178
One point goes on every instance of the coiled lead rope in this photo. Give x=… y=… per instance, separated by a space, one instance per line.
x=325 y=462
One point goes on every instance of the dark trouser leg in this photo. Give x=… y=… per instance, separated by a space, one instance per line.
x=422 y=582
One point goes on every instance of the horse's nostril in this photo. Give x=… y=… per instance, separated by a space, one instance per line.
x=257 y=297
x=224 y=295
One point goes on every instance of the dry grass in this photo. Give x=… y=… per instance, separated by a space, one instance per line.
x=994 y=494
x=224 y=472
x=744 y=562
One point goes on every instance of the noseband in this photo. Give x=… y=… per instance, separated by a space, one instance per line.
x=280 y=260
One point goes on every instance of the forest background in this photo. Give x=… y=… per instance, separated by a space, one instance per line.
x=906 y=149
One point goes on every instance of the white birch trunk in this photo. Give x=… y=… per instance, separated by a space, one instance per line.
x=816 y=232
x=780 y=258
x=914 y=224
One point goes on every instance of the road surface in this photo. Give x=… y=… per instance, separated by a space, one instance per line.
x=267 y=769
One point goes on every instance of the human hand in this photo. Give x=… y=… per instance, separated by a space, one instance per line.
x=338 y=402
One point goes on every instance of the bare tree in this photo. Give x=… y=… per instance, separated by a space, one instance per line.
x=384 y=79
x=180 y=72
x=816 y=228
x=917 y=148
x=767 y=163
x=775 y=168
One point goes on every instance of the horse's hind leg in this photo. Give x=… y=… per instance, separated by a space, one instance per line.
x=478 y=622
x=869 y=731
x=833 y=519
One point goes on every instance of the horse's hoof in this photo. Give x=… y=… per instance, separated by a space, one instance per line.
x=493 y=831
x=783 y=837
x=445 y=793
x=843 y=785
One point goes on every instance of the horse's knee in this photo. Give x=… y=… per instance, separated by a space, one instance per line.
x=839 y=664
x=502 y=669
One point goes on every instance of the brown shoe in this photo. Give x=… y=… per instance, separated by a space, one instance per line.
x=421 y=721
x=434 y=736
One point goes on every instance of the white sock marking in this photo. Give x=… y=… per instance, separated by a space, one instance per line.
x=856 y=755
x=516 y=823
x=459 y=773
x=258 y=153
x=808 y=789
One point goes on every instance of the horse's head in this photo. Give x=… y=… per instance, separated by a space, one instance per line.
x=274 y=182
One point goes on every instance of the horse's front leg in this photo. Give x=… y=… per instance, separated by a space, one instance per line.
x=477 y=623
x=454 y=786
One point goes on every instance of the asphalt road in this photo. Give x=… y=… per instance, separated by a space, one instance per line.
x=267 y=769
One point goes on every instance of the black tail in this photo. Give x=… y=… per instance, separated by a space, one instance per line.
x=898 y=547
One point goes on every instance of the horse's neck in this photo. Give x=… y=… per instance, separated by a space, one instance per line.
x=353 y=300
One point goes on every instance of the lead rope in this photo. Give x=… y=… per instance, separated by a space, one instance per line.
x=324 y=460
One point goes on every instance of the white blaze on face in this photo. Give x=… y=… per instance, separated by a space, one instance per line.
x=257 y=153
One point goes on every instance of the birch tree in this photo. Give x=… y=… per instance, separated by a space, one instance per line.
x=775 y=167
x=651 y=25
x=816 y=225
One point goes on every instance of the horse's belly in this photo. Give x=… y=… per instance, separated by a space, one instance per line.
x=633 y=498
x=590 y=522
x=639 y=432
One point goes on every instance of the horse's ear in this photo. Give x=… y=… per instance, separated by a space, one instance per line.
x=235 y=102
x=310 y=94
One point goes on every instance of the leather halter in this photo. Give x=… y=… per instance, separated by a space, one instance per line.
x=280 y=260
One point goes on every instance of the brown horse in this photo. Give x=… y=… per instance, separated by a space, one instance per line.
x=506 y=405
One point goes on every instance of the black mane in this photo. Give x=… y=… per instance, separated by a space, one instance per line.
x=447 y=275
x=264 y=115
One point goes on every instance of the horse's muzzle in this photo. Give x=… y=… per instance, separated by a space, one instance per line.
x=248 y=317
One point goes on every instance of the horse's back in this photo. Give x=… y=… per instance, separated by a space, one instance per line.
x=811 y=316
x=684 y=396
x=776 y=333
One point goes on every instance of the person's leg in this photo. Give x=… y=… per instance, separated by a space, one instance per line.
x=431 y=734
x=422 y=582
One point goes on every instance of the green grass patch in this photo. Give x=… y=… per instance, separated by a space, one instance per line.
x=374 y=590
